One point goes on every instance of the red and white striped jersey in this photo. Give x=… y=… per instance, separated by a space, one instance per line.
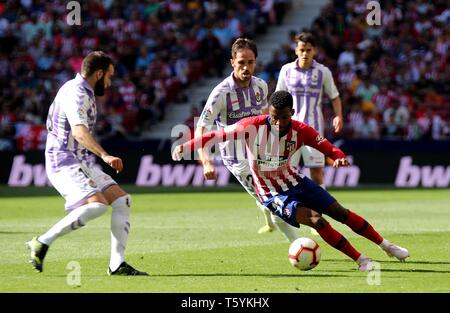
x=269 y=153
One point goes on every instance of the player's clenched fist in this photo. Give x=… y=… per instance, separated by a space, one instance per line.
x=340 y=162
x=177 y=153
x=114 y=162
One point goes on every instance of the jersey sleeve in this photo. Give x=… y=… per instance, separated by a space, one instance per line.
x=235 y=131
x=214 y=105
x=328 y=84
x=281 y=83
x=310 y=137
x=76 y=105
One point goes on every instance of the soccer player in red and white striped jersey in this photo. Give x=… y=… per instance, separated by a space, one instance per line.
x=271 y=140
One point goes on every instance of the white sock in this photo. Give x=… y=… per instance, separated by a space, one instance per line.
x=266 y=212
x=75 y=219
x=289 y=231
x=120 y=226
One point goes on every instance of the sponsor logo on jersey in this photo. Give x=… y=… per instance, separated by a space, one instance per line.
x=268 y=162
x=240 y=115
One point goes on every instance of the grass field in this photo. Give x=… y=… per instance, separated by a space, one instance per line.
x=207 y=242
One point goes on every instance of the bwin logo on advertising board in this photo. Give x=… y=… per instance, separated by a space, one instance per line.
x=410 y=175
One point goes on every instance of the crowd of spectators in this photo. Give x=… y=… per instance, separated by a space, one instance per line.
x=160 y=48
x=393 y=77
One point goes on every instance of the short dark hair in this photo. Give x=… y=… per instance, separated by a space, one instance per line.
x=243 y=43
x=306 y=37
x=281 y=99
x=96 y=60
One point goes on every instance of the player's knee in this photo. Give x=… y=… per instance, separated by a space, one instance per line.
x=96 y=209
x=122 y=203
x=337 y=212
x=317 y=222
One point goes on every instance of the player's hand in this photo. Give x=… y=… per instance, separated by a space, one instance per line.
x=114 y=162
x=337 y=124
x=209 y=170
x=340 y=162
x=177 y=153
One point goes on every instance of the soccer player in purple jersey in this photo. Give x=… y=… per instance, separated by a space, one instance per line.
x=239 y=95
x=271 y=141
x=87 y=190
x=307 y=80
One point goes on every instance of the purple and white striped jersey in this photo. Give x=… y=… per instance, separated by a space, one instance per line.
x=307 y=87
x=73 y=105
x=228 y=103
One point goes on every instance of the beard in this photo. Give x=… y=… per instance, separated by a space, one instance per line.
x=99 y=88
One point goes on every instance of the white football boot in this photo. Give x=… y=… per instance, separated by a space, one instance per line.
x=365 y=264
x=394 y=251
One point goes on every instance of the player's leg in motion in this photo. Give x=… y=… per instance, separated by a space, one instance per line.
x=315 y=161
x=243 y=175
x=246 y=180
x=331 y=236
x=76 y=219
x=362 y=227
x=120 y=228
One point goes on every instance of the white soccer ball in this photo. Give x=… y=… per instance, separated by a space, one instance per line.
x=304 y=253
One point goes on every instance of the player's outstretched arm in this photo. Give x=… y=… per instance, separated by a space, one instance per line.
x=209 y=170
x=84 y=137
x=313 y=139
x=231 y=132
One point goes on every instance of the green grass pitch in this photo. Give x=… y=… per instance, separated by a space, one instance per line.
x=207 y=242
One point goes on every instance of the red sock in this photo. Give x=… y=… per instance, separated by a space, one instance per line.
x=336 y=240
x=362 y=227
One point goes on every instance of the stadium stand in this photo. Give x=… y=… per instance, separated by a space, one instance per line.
x=392 y=78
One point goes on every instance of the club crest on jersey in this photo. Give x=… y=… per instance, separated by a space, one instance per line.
x=290 y=145
x=286 y=212
x=81 y=112
x=258 y=97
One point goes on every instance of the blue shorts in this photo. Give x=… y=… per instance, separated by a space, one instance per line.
x=306 y=193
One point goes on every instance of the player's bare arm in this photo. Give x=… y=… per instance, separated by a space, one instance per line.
x=338 y=121
x=209 y=171
x=84 y=137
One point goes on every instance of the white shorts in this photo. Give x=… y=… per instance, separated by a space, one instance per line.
x=312 y=158
x=241 y=170
x=78 y=182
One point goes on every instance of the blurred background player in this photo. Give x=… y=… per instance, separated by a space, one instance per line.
x=306 y=80
x=87 y=190
x=271 y=141
x=239 y=95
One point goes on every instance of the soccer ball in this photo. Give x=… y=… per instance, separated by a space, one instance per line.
x=304 y=253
